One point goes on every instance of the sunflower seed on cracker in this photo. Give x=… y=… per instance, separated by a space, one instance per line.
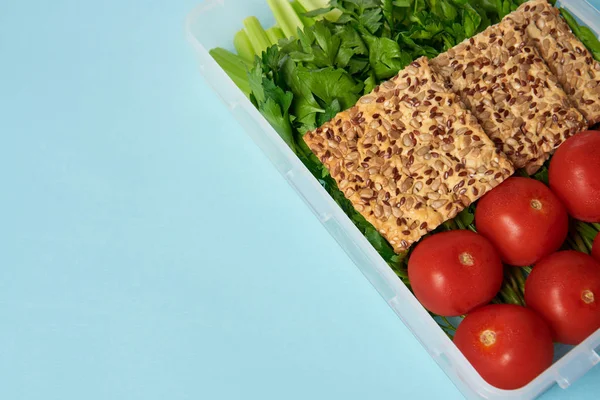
x=409 y=156
x=513 y=94
x=574 y=66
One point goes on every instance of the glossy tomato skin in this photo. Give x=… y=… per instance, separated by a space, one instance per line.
x=575 y=178
x=523 y=219
x=508 y=345
x=596 y=248
x=564 y=289
x=453 y=272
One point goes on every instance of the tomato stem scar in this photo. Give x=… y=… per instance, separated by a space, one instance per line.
x=587 y=296
x=466 y=259
x=536 y=204
x=488 y=337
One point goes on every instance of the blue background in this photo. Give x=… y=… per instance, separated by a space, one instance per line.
x=148 y=250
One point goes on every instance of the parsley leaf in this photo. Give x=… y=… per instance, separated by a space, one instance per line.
x=273 y=103
x=385 y=56
x=330 y=84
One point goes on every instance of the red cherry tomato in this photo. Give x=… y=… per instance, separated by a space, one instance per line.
x=564 y=289
x=523 y=219
x=575 y=178
x=508 y=345
x=451 y=273
x=596 y=248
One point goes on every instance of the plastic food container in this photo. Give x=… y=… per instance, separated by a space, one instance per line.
x=214 y=23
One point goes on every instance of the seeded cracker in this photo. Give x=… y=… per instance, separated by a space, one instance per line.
x=568 y=58
x=409 y=156
x=513 y=94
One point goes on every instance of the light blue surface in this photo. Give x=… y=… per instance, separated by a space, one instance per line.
x=149 y=250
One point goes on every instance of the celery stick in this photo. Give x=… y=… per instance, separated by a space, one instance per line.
x=300 y=11
x=333 y=15
x=286 y=17
x=275 y=34
x=314 y=4
x=243 y=46
x=311 y=5
x=234 y=66
x=256 y=35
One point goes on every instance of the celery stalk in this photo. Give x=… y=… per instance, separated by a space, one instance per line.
x=300 y=11
x=243 y=46
x=314 y=4
x=311 y=5
x=275 y=34
x=234 y=66
x=256 y=35
x=286 y=17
